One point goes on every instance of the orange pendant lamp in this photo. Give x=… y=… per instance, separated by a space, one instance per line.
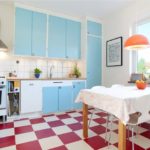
x=137 y=42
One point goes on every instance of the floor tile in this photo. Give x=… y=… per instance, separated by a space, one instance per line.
x=61 y=129
x=6 y=125
x=7 y=141
x=75 y=126
x=7 y=132
x=69 y=121
x=78 y=118
x=141 y=141
x=69 y=137
x=63 y=116
x=111 y=147
x=96 y=142
x=40 y=126
x=50 y=142
x=80 y=133
x=51 y=118
x=79 y=145
x=59 y=148
x=112 y=135
x=34 y=145
x=146 y=134
x=22 y=123
x=56 y=123
x=9 y=148
x=75 y=114
x=100 y=120
x=44 y=133
x=37 y=120
x=98 y=129
x=23 y=129
x=25 y=137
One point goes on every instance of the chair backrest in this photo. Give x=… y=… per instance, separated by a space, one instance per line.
x=134 y=118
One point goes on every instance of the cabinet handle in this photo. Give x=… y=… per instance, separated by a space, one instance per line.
x=31 y=84
x=73 y=86
x=59 y=87
x=58 y=82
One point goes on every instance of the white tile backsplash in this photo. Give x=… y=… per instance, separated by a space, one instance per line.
x=26 y=66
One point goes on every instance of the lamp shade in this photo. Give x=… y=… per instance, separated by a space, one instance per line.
x=137 y=42
x=3 y=47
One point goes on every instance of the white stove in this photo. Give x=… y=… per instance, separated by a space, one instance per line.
x=3 y=97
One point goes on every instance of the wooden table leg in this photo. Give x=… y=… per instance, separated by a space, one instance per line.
x=85 y=120
x=122 y=136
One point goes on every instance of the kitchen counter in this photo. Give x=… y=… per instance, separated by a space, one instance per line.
x=15 y=78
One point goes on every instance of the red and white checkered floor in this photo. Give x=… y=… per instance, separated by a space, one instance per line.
x=64 y=132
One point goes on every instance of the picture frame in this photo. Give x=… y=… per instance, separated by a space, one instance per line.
x=114 y=52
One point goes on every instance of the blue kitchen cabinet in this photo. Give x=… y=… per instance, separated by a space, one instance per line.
x=56 y=37
x=39 y=34
x=77 y=86
x=94 y=64
x=23 y=31
x=94 y=55
x=65 y=98
x=73 y=39
x=94 y=28
x=30 y=33
x=50 y=99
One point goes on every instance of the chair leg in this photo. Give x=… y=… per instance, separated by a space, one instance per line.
x=110 y=131
x=132 y=138
x=137 y=130
x=107 y=122
x=91 y=118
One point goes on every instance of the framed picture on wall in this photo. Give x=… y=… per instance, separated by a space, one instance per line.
x=114 y=52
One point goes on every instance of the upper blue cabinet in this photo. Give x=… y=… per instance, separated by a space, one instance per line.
x=94 y=28
x=30 y=33
x=39 y=34
x=64 y=38
x=56 y=37
x=23 y=31
x=73 y=39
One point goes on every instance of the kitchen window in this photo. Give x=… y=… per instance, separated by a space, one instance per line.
x=143 y=56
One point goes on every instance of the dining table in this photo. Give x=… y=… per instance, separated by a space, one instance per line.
x=118 y=100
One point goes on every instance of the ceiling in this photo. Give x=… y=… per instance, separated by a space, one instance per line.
x=79 y=8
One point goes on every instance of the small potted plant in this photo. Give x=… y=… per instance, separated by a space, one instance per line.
x=76 y=72
x=37 y=72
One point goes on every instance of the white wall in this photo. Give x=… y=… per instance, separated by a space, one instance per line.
x=120 y=24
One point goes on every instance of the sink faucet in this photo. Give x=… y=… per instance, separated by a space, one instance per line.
x=51 y=68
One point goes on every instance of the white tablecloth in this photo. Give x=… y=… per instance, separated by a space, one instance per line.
x=118 y=100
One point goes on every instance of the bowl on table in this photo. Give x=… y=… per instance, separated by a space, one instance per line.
x=140 y=84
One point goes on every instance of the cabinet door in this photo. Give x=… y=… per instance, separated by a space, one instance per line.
x=56 y=37
x=39 y=34
x=73 y=42
x=31 y=96
x=94 y=28
x=23 y=29
x=50 y=99
x=65 y=98
x=77 y=86
x=93 y=62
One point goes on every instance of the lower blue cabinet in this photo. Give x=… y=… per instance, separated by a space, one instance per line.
x=50 y=99
x=61 y=98
x=77 y=86
x=65 y=98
